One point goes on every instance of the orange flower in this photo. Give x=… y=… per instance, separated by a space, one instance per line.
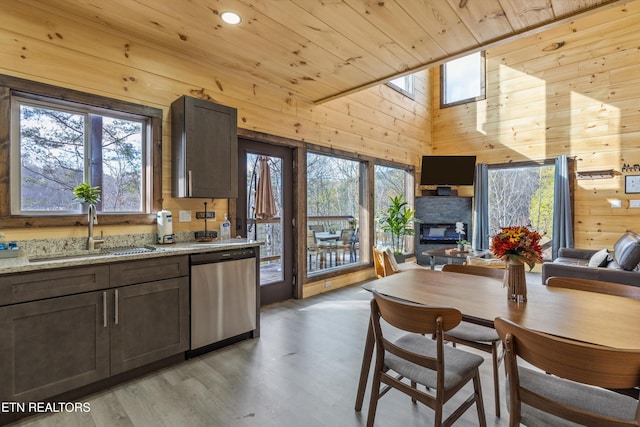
x=517 y=243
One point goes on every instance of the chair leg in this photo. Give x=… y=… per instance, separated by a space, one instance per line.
x=482 y=419
x=373 y=402
x=496 y=377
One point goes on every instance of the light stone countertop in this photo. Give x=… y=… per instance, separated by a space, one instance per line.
x=80 y=258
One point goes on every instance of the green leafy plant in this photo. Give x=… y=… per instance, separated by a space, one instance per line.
x=86 y=193
x=398 y=222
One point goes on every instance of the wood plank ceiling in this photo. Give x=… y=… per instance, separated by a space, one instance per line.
x=317 y=50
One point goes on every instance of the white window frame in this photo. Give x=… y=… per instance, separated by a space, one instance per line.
x=405 y=85
x=445 y=76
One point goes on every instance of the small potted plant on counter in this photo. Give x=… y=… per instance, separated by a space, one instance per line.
x=87 y=195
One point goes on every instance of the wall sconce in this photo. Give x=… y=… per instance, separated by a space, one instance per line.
x=603 y=174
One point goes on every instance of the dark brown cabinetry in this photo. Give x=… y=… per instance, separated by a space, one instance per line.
x=204 y=149
x=51 y=343
x=48 y=347
x=151 y=323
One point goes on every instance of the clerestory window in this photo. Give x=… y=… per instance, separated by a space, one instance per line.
x=462 y=80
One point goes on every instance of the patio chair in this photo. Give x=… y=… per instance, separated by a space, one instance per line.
x=314 y=250
x=572 y=383
x=316 y=227
x=345 y=243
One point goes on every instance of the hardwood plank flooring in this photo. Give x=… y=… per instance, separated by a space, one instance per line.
x=302 y=371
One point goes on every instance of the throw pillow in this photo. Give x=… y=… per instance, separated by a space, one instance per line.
x=627 y=251
x=600 y=258
x=392 y=260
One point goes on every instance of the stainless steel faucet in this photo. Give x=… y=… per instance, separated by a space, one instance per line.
x=93 y=220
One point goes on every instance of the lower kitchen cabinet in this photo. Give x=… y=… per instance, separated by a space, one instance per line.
x=54 y=345
x=50 y=346
x=151 y=322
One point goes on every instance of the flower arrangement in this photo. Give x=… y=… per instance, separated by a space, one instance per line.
x=517 y=243
x=460 y=231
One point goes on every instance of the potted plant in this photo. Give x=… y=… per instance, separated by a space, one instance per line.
x=398 y=221
x=461 y=242
x=86 y=194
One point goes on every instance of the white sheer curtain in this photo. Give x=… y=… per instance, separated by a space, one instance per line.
x=562 y=215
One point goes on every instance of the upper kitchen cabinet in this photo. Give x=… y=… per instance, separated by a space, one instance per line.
x=205 y=149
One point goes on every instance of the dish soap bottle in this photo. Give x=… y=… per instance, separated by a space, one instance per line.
x=225 y=229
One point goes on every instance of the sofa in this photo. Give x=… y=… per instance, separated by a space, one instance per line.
x=620 y=266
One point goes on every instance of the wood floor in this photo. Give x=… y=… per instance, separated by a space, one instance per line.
x=303 y=371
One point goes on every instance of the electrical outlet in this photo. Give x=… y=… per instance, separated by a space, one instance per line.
x=634 y=203
x=327 y=284
x=616 y=203
x=185 y=216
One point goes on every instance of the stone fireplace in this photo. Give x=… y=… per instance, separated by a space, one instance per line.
x=438 y=216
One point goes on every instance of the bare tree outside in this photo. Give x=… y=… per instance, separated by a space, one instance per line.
x=389 y=182
x=54 y=145
x=333 y=186
x=522 y=196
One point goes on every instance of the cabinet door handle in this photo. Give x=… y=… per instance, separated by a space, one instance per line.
x=104 y=309
x=116 y=305
x=189 y=184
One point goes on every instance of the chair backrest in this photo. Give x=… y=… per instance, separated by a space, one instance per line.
x=598 y=286
x=311 y=239
x=416 y=318
x=389 y=262
x=378 y=262
x=346 y=235
x=316 y=227
x=572 y=360
x=476 y=270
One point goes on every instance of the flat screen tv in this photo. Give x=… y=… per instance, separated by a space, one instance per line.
x=448 y=170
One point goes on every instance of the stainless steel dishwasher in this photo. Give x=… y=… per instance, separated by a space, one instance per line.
x=223 y=296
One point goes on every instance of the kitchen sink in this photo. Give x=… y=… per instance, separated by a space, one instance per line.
x=91 y=254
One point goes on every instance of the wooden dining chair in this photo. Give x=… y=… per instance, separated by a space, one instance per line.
x=598 y=286
x=417 y=359
x=378 y=262
x=573 y=382
x=478 y=336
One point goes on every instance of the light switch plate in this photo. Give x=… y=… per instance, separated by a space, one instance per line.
x=634 y=203
x=185 y=216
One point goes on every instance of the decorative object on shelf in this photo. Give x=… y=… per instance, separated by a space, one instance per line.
x=461 y=242
x=632 y=184
x=397 y=221
x=603 y=174
x=517 y=246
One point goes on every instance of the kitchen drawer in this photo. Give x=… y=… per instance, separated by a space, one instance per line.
x=24 y=287
x=148 y=270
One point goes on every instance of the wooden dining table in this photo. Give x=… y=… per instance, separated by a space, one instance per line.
x=590 y=317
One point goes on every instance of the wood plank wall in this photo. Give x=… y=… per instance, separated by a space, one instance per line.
x=44 y=46
x=580 y=99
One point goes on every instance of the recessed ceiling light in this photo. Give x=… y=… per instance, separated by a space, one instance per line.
x=231 y=18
